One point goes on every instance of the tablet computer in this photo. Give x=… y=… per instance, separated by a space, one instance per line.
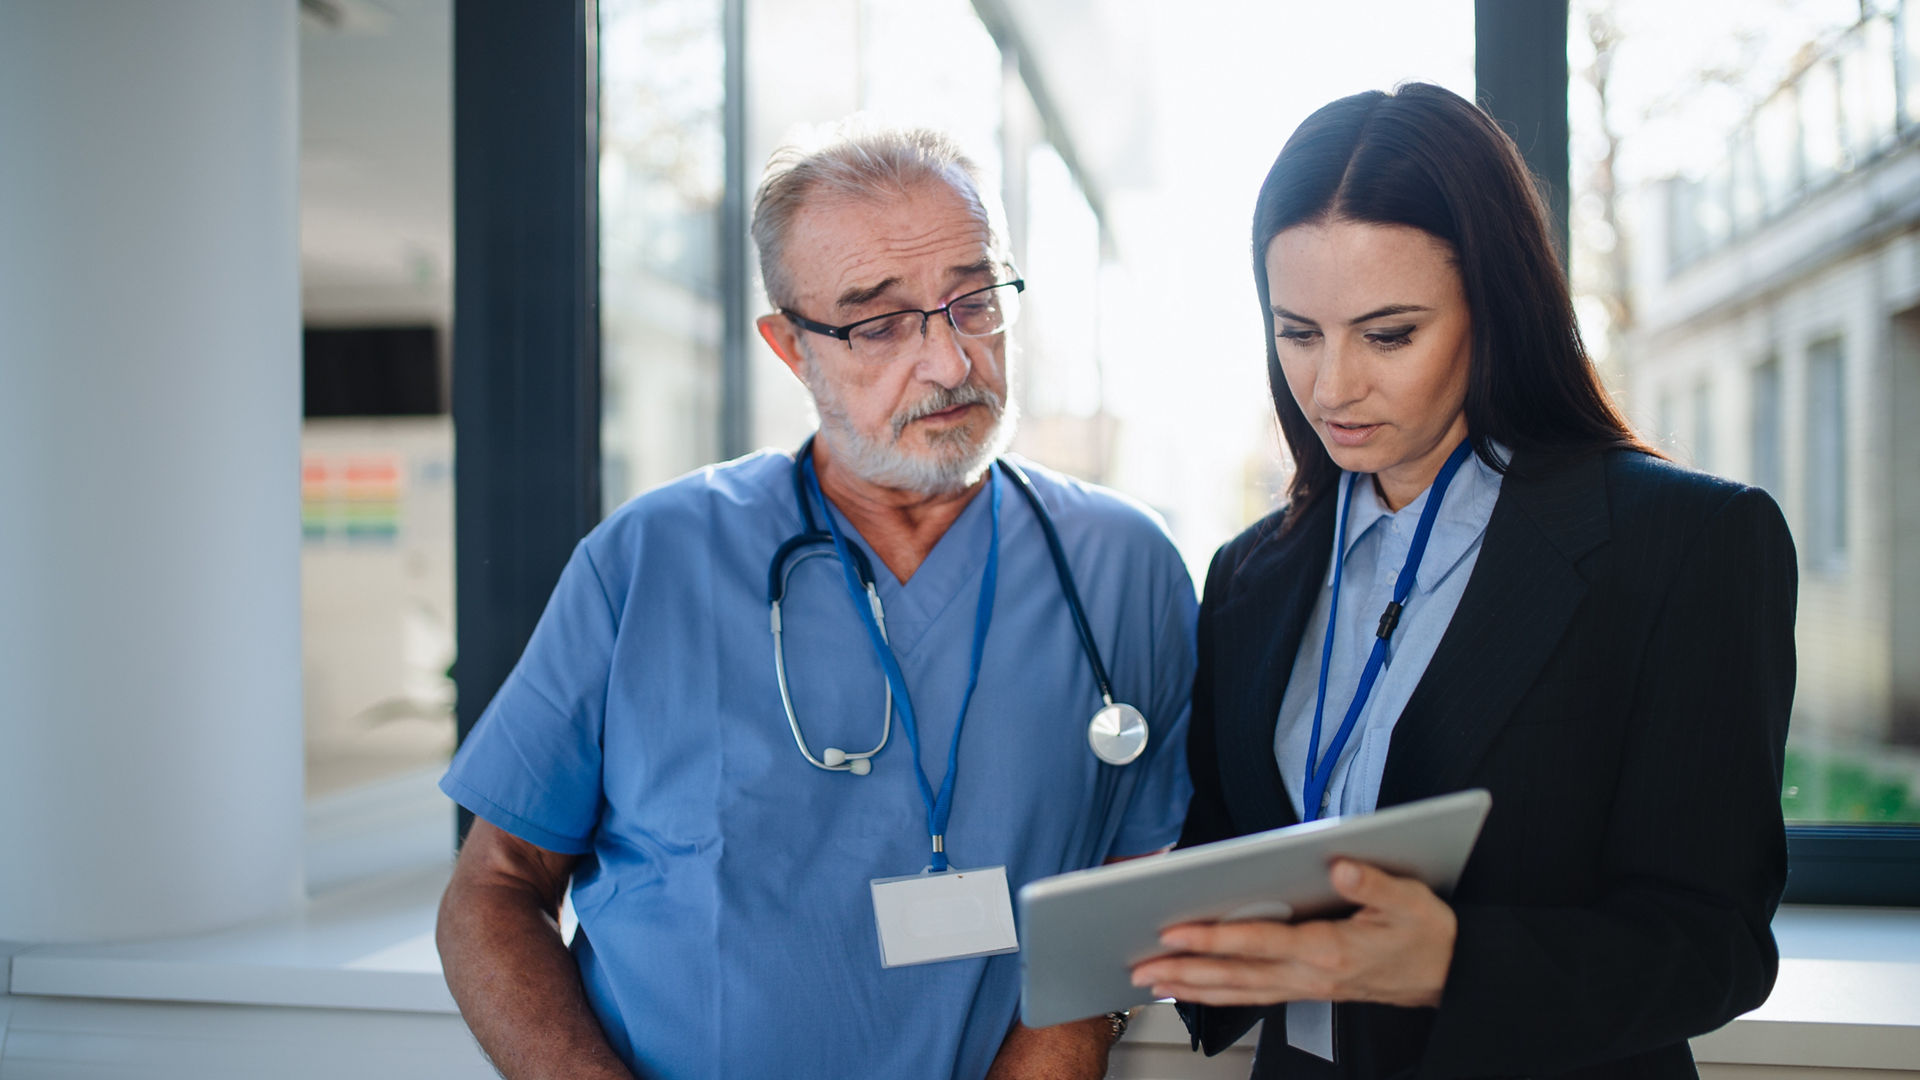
x=1082 y=932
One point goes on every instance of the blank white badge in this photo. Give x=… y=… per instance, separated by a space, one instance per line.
x=925 y=918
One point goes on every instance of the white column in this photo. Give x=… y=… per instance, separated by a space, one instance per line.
x=150 y=736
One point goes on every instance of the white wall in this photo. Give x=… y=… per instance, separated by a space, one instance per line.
x=149 y=424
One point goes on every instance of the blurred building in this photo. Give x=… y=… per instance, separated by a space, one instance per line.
x=1777 y=342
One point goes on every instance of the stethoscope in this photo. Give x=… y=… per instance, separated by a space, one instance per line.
x=1117 y=733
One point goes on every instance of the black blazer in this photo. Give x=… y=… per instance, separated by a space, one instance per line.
x=1618 y=674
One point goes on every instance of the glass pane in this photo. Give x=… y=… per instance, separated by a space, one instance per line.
x=1765 y=433
x=1779 y=120
x=376 y=478
x=1826 y=467
x=1776 y=138
x=1867 y=99
x=1703 y=456
x=662 y=174
x=1820 y=123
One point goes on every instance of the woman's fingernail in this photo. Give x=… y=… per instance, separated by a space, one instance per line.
x=1174 y=939
x=1346 y=875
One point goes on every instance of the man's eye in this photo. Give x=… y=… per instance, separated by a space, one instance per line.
x=880 y=331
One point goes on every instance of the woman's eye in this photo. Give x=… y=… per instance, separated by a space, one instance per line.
x=1391 y=339
x=1297 y=335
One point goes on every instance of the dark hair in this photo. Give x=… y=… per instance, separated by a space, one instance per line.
x=1425 y=157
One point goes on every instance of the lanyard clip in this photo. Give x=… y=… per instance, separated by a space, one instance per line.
x=1389 y=619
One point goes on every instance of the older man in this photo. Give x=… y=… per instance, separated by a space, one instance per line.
x=791 y=852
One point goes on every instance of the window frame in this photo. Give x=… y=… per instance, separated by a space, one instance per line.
x=526 y=326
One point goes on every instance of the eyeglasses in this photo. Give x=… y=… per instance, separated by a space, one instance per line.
x=980 y=313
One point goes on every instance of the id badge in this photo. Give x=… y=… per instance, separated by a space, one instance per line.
x=1310 y=1027
x=925 y=918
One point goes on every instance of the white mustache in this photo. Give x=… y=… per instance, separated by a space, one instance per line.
x=943 y=399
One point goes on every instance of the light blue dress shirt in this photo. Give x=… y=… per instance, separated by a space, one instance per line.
x=1377 y=543
x=726 y=921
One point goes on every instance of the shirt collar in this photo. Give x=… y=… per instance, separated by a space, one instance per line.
x=1463 y=517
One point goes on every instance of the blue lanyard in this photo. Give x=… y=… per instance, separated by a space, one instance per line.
x=939 y=807
x=1320 y=771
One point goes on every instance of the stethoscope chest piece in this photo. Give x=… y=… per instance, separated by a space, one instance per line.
x=1118 y=734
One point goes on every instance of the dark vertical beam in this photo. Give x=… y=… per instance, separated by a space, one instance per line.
x=526 y=328
x=736 y=378
x=1520 y=66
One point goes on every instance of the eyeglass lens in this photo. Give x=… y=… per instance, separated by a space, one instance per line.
x=977 y=314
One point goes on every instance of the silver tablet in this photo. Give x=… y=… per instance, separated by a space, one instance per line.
x=1081 y=933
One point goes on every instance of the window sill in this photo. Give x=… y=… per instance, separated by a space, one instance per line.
x=367 y=946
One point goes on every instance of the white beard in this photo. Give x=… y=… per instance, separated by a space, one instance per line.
x=955 y=463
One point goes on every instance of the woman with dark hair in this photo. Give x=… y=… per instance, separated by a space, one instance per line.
x=1481 y=578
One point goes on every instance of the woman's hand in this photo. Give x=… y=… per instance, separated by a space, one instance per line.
x=1395 y=951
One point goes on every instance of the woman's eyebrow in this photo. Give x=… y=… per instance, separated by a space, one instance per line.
x=1390 y=309
x=1377 y=313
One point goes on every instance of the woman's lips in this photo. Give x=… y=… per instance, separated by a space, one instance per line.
x=1351 y=434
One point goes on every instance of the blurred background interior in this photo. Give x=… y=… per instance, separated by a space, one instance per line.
x=1743 y=194
x=1738 y=183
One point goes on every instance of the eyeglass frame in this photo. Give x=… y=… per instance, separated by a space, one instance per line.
x=845 y=333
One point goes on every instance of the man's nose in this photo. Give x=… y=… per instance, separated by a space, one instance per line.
x=942 y=355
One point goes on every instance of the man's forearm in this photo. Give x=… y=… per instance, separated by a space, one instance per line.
x=518 y=987
x=1075 y=1051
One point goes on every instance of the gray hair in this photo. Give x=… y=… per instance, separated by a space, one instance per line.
x=856 y=161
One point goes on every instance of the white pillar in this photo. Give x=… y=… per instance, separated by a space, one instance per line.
x=150 y=736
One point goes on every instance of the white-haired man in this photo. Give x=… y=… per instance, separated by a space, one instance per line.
x=730 y=805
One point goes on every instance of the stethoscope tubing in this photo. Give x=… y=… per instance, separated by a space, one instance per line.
x=780 y=667
x=814 y=541
x=1064 y=571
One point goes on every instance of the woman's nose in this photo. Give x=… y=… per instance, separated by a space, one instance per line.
x=1339 y=381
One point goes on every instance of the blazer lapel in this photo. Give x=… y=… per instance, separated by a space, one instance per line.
x=1256 y=634
x=1525 y=588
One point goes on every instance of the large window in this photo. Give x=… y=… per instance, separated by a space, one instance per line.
x=1720 y=155
x=1731 y=168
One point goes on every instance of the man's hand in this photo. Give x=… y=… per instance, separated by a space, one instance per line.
x=1396 y=950
x=1075 y=1051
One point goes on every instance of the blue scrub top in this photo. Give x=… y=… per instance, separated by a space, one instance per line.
x=726 y=923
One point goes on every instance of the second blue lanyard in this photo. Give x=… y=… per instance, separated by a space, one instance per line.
x=1319 y=768
x=939 y=805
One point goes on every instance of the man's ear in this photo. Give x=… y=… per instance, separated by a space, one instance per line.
x=784 y=339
